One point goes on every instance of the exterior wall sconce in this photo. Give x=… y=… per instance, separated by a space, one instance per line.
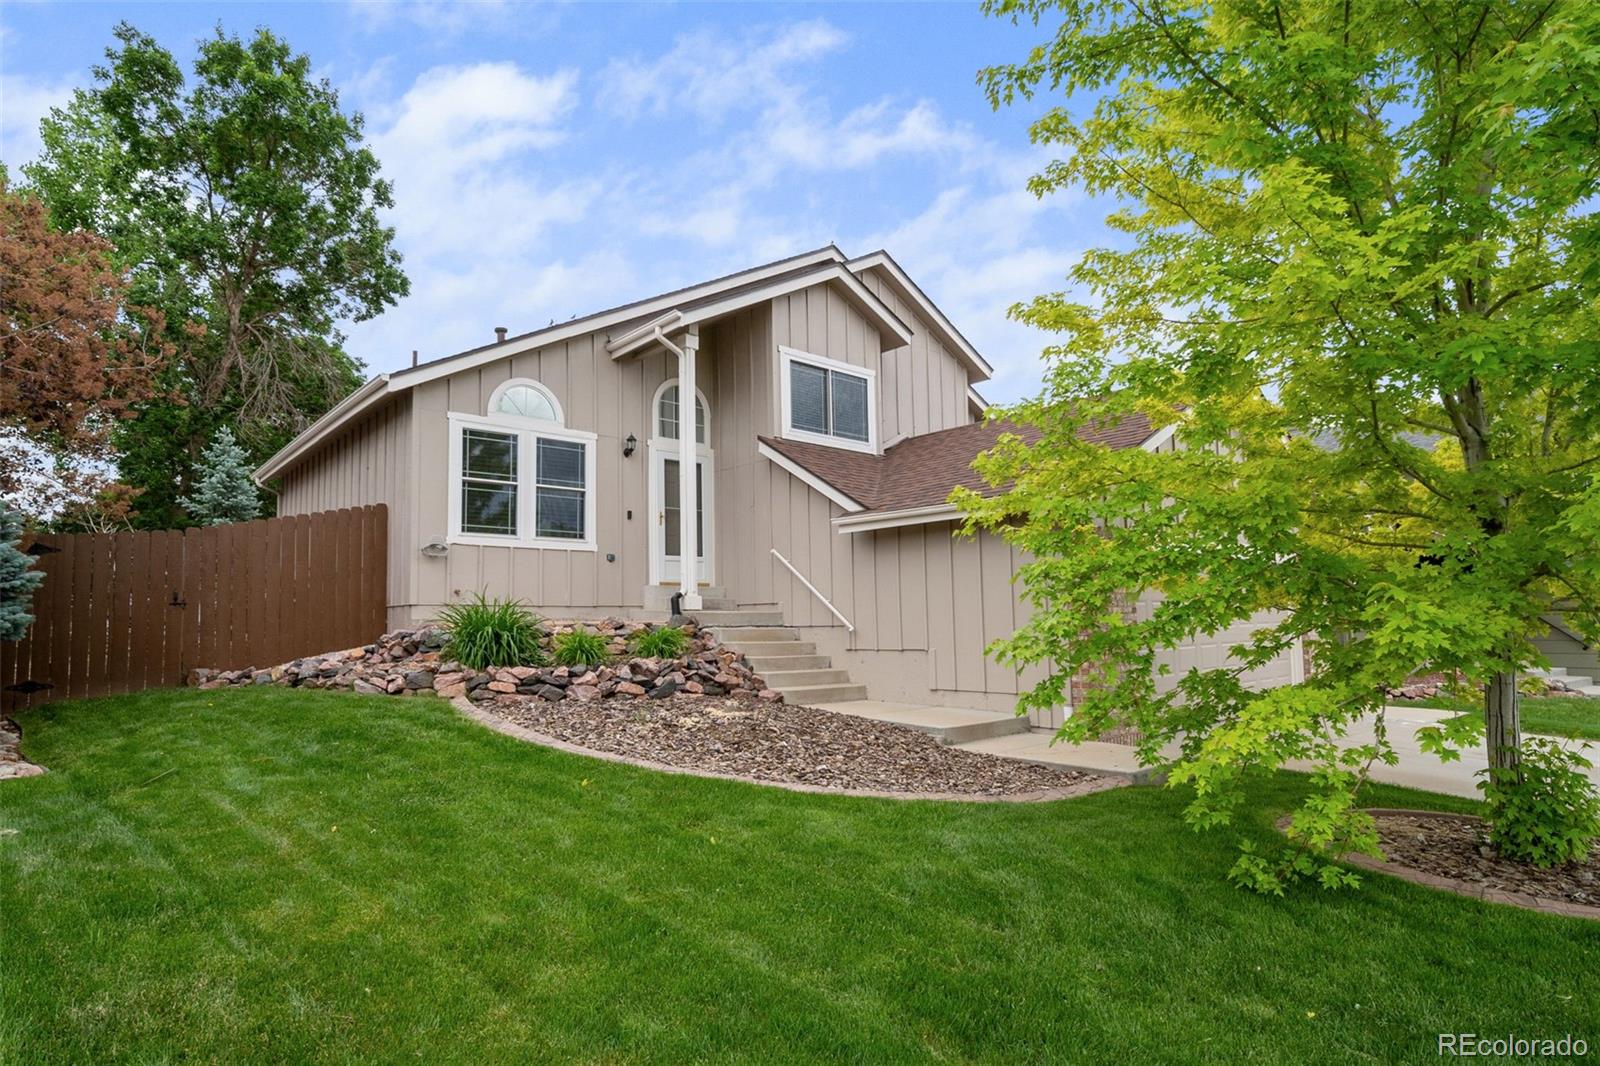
x=629 y=445
x=436 y=548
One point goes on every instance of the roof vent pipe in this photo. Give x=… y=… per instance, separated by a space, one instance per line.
x=500 y=334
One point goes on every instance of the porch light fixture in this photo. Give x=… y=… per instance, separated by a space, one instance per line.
x=629 y=445
x=436 y=548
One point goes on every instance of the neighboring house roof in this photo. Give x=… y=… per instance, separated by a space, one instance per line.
x=691 y=304
x=912 y=480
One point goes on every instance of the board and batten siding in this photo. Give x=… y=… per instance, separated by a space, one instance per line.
x=368 y=462
x=924 y=385
x=759 y=507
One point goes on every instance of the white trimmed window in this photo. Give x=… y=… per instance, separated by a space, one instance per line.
x=828 y=402
x=667 y=414
x=518 y=477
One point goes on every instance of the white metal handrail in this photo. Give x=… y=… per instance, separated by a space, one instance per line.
x=779 y=556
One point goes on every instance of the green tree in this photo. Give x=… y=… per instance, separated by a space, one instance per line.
x=223 y=490
x=246 y=208
x=18 y=579
x=1359 y=274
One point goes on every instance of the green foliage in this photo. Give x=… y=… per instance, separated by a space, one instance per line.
x=486 y=633
x=1359 y=274
x=223 y=492
x=579 y=647
x=1545 y=812
x=246 y=208
x=661 y=642
x=18 y=578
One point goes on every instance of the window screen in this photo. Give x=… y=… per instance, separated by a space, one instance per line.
x=488 y=482
x=830 y=402
x=559 y=489
x=849 y=406
x=808 y=397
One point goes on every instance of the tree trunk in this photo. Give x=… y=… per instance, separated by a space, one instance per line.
x=1503 y=718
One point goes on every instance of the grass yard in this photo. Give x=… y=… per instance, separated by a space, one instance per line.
x=1556 y=716
x=268 y=874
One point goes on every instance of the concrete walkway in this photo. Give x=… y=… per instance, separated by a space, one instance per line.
x=1420 y=769
x=1004 y=735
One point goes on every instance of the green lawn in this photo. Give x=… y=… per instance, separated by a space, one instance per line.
x=1556 y=716
x=277 y=875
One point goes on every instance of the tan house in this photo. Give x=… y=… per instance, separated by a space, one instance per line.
x=834 y=408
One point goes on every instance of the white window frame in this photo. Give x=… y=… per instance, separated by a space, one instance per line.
x=537 y=386
x=787 y=357
x=655 y=413
x=527 y=431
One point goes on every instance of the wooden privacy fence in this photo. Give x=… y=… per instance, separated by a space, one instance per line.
x=121 y=612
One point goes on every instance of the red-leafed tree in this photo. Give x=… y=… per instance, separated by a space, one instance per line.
x=74 y=357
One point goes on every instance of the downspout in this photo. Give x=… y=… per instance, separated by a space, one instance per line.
x=688 y=469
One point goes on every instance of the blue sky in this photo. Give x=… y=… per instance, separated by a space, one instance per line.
x=550 y=161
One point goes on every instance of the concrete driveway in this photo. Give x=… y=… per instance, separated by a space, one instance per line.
x=1419 y=769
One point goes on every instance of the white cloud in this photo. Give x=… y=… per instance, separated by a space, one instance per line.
x=462 y=147
x=980 y=247
x=712 y=75
x=861 y=138
x=23 y=102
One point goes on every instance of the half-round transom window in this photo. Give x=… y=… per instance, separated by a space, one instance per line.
x=527 y=401
x=667 y=416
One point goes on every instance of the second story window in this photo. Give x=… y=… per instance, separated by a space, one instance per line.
x=828 y=402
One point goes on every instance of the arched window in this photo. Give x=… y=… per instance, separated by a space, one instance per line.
x=520 y=477
x=525 y=398
x=667 y=410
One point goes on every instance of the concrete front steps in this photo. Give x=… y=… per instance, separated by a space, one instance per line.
x=793 y=667
x=785 y=662
x=1577 y=682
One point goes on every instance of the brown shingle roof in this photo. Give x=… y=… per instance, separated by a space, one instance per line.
x=921 y=471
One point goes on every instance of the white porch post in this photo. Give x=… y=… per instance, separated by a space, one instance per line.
x=688 y=474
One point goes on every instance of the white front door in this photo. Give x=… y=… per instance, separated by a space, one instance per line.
x=666 y=526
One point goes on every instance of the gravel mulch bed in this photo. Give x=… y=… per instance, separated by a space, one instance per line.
x=763 y=741
x=1453 y=847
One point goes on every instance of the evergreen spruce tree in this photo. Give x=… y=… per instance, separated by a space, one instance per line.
x=223 y=492
x=18 y=579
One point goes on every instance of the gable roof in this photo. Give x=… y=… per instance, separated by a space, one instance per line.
x=914 y=478
x=693 y=303
x=638 y=333
x=978 y=368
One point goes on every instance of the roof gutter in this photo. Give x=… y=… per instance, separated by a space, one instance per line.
x=910 y=516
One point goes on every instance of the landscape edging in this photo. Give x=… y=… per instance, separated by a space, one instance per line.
x=1454 y=885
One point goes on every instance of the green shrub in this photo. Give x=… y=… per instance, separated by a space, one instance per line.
x=662 y=642
x=1553 y=816
x=581 y=647
x=488 y=633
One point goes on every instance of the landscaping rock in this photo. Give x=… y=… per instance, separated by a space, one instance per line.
x=408 y=662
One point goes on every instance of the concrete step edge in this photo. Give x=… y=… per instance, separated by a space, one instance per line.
x=809 y=694
x=787 y=679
